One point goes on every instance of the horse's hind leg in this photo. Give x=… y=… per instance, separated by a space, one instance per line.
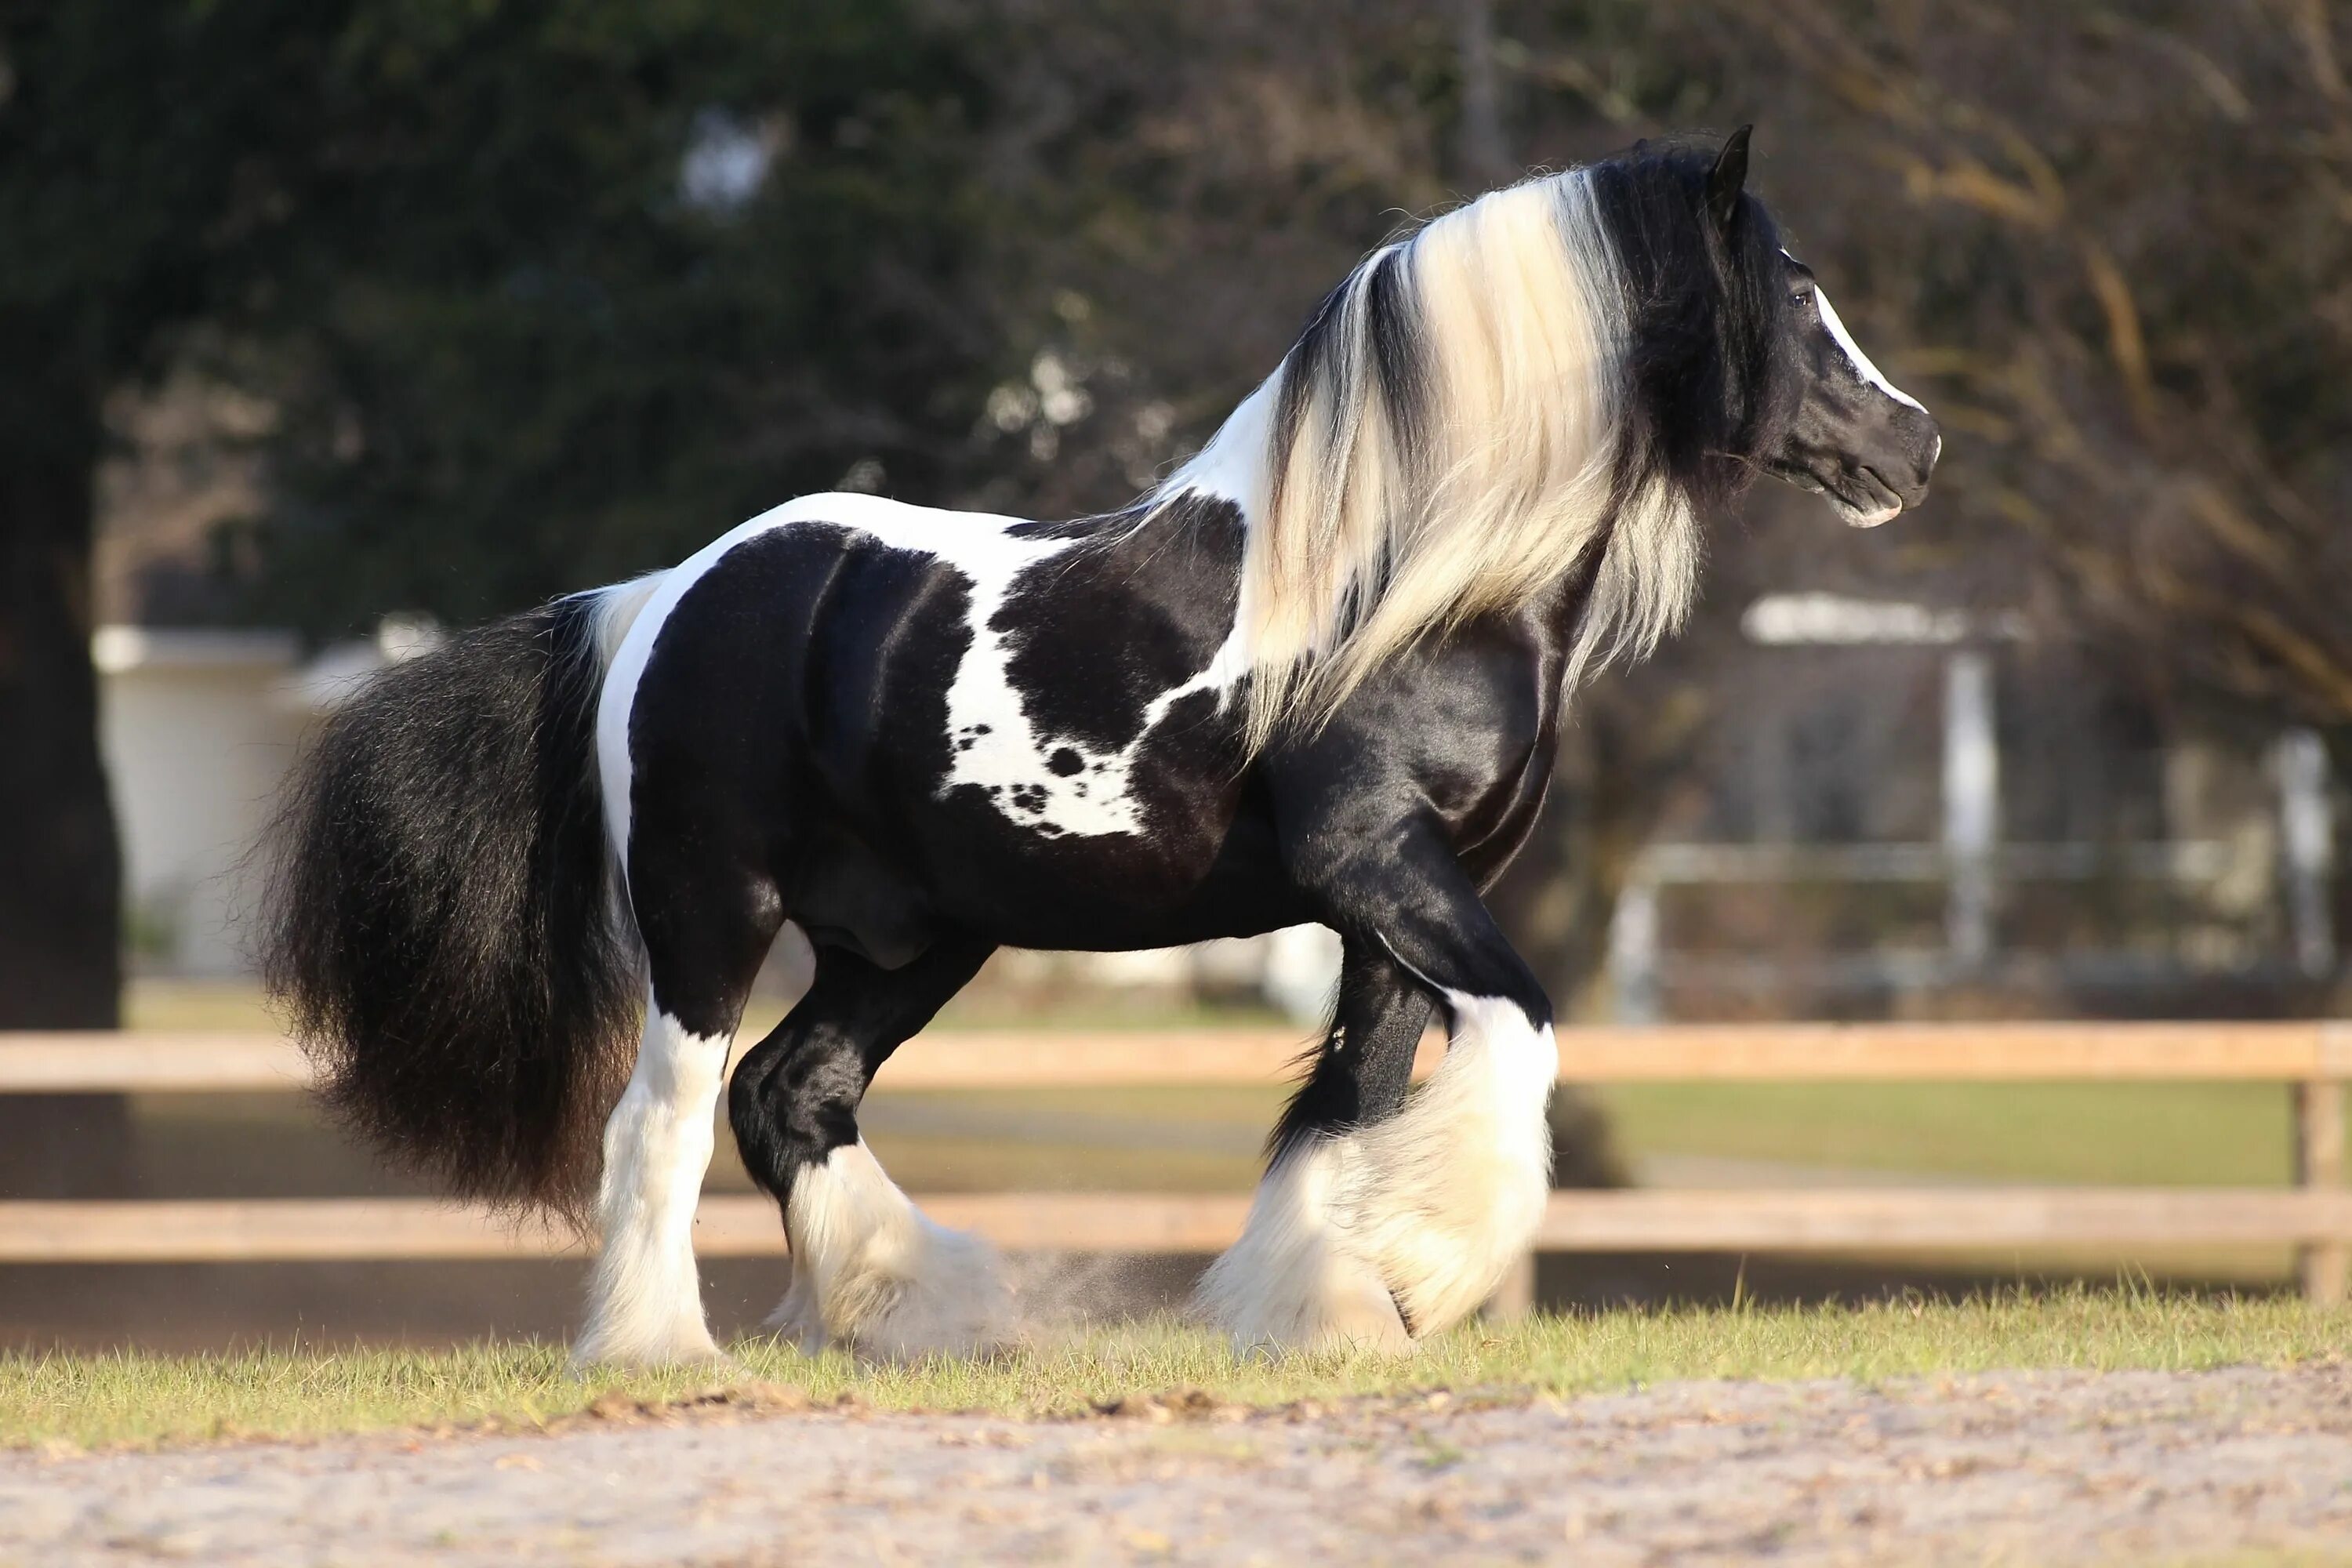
x=645 y=1301
x=868 y=1269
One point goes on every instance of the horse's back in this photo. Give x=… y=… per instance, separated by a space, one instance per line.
x=1017 y=727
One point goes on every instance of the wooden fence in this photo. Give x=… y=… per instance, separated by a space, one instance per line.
x=2315 y=1216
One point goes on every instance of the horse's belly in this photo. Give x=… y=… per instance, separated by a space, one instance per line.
x=1201 y=862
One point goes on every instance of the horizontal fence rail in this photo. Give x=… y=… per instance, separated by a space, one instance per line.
x=159 y=1062
x=1890 y=1219
x=2313 y=1057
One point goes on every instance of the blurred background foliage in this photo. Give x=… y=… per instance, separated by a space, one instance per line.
x=502 y=297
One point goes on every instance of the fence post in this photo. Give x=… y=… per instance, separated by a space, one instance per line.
x=2319 y=1167
x=2307 y=848
x=1633 y=951
x=1515 y=1296
x=1971 y=805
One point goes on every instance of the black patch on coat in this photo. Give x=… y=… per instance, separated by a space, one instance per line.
x=1093 y=635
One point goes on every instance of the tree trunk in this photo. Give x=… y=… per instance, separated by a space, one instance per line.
x=1484 y=147
x=60 y=947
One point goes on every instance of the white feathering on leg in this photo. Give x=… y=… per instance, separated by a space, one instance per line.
x=1451 y=1189
x=869 y=1270
x=1294 y=1279
x=1385 y=1234
x=646 y=1294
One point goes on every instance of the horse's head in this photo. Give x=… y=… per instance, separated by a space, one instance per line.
x=1740 y=354
x=1846 y=431
x=1856 y=437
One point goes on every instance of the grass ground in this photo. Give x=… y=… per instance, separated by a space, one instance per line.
x=2159 y=1134
x=141 y=1399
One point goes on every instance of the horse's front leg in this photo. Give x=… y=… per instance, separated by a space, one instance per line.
x=1295 y=1277
x=1431 y=1195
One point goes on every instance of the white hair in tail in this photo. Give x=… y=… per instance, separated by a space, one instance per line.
x=1449 y=436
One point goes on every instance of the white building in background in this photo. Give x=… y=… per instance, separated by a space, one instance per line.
x=2237 y=867
x=197 y=729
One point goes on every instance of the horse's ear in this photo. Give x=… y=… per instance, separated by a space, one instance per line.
x=1728 y=179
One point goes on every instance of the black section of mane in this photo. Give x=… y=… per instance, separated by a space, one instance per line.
x=441 y=929
x=1706 y=305
x=1393 y=321
x=1699 y=260
x=1319 y=361
x=1311 y=360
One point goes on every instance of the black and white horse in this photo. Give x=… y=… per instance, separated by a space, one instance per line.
x=1317 y=675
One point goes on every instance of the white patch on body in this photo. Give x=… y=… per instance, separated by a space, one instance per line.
x=869 y=1270
x=1233 y=465
x=1421 y=1215
x=1861 y=361
x=996 y=747
x=645 y=1297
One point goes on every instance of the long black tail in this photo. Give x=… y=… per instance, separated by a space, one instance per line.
x=442 y=929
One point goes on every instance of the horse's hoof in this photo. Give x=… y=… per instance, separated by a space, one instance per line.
x=685 y=1351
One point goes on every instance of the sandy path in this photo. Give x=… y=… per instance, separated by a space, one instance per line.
x=2125 y=1468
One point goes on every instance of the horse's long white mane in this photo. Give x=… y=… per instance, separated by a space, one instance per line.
x=1447 y=443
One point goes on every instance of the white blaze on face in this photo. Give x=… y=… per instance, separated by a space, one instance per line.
x=1861 y=361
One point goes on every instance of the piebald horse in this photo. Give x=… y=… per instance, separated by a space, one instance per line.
x=1317 y=675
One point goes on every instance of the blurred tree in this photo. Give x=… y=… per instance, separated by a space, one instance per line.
x=103 y=215
x=540 y=289
x=2125 y=272
x=2110 y=248
x=577 y=284
x=91 y=266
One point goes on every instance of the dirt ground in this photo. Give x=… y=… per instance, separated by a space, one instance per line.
x=2130 y=1468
